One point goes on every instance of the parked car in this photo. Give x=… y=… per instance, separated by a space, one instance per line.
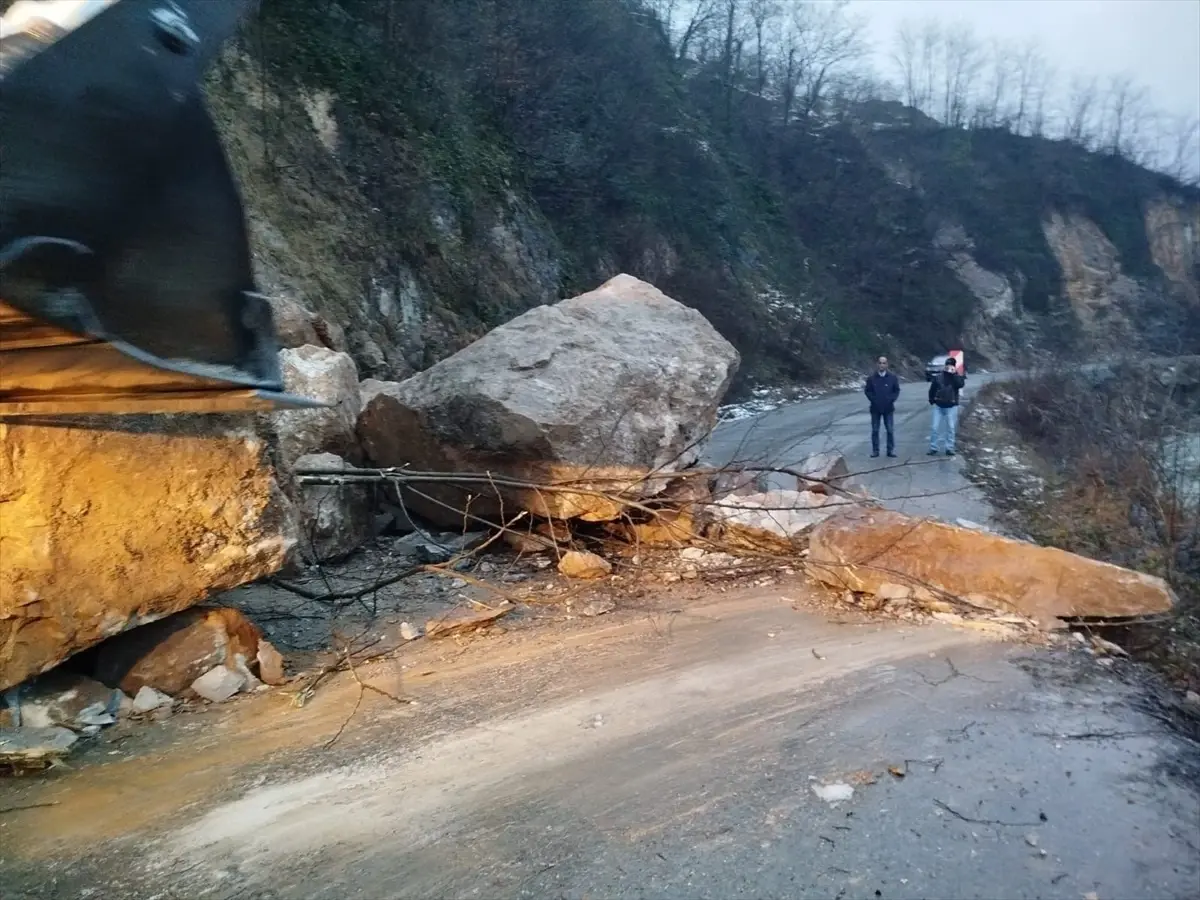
x=938 y=363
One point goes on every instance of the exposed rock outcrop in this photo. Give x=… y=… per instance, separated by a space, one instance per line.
x=592 y=393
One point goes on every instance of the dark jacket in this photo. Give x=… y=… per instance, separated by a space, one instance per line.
x=882 y=391
x=951 y=380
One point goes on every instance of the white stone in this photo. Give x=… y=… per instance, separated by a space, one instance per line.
x=149 y=699
x=218 y=684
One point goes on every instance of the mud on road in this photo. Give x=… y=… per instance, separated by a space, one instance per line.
x=661 y=753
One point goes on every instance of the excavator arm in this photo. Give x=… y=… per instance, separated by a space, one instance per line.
x=125 y=271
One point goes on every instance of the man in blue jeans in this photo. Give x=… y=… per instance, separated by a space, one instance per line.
x=943 y=397
x=882 y=389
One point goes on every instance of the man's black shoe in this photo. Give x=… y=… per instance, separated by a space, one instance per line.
x=949 y=452
x=891 y=456
x=932 y=453
x=874 y=454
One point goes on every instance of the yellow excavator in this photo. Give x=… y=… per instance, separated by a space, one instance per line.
x=125 y=271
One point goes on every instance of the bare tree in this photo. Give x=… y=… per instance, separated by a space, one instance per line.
x=1041 y=96
x=834 y=41
x=905 y=54
x=1079 y=125
x=930 y=44
x=818 y=41
x=992 y=108
x=684 y=22
x=1032 y=73
x=1125 y=111
x=962 y=61
x=762 y=14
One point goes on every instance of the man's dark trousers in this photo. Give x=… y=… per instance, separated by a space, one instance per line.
x=888 y=419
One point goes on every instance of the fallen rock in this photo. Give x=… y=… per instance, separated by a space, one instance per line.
x=330 y=377
x=462 y=619
x=892 y=593
x=408 y=631
x=592 y=393
x=434 y=548
x=528 y=542
x=737 y=482
x=334 y=519
x=170 y=654
x=218 y=684
x=666 y=528
x=148 y=699
x=110 y=523
x=67 y=700
x=582 y=564
x=270 y=663
x=825 y=471
x=33 y=749
x=860 y=549
x=776 y=522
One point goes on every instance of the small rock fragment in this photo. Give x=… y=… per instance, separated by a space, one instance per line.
x=598 y=608
x=894 y=593
x=692 y=553
x=149 y=699
x=582 y=564
x=95 y=715
x=270 y=663
x=408 y=631
x=1105 y=646
x=1031 y=839
x=32 y=749
x=1192 y=699
x=218 y=684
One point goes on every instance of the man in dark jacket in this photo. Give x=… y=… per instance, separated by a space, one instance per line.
x=882 y=389
x=943 y=397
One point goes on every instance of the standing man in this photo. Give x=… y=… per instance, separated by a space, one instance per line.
x=882 y=389
x=943 y=397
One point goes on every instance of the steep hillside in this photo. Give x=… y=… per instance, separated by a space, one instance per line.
x=419 y=171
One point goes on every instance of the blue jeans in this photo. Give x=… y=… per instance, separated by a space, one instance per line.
x=949 y=416
x=888 y=418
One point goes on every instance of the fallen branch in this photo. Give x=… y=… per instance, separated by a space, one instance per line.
x=20 y=806
x=954 y=812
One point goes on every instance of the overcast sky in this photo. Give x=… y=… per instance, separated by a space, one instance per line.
x=1156 y=41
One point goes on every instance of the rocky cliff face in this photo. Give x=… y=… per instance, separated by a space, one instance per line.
x=405 y=202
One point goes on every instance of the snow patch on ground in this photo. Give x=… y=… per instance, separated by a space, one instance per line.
x=764 y=399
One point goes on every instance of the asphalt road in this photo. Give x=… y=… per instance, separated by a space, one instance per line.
x=685 y=766
x=913 y=482
x=665 y=756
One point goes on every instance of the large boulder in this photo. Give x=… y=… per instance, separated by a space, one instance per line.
x=111 y=522
x=592 y=393
x=328 y=376
x=168 y=655
x=862 y=549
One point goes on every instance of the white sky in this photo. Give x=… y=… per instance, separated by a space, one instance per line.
x=1156 y=41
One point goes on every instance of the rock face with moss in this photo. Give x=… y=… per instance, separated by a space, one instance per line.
x=594 y=393
x=420 y=172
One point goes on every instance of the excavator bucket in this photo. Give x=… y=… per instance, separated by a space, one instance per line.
x=125 y=273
